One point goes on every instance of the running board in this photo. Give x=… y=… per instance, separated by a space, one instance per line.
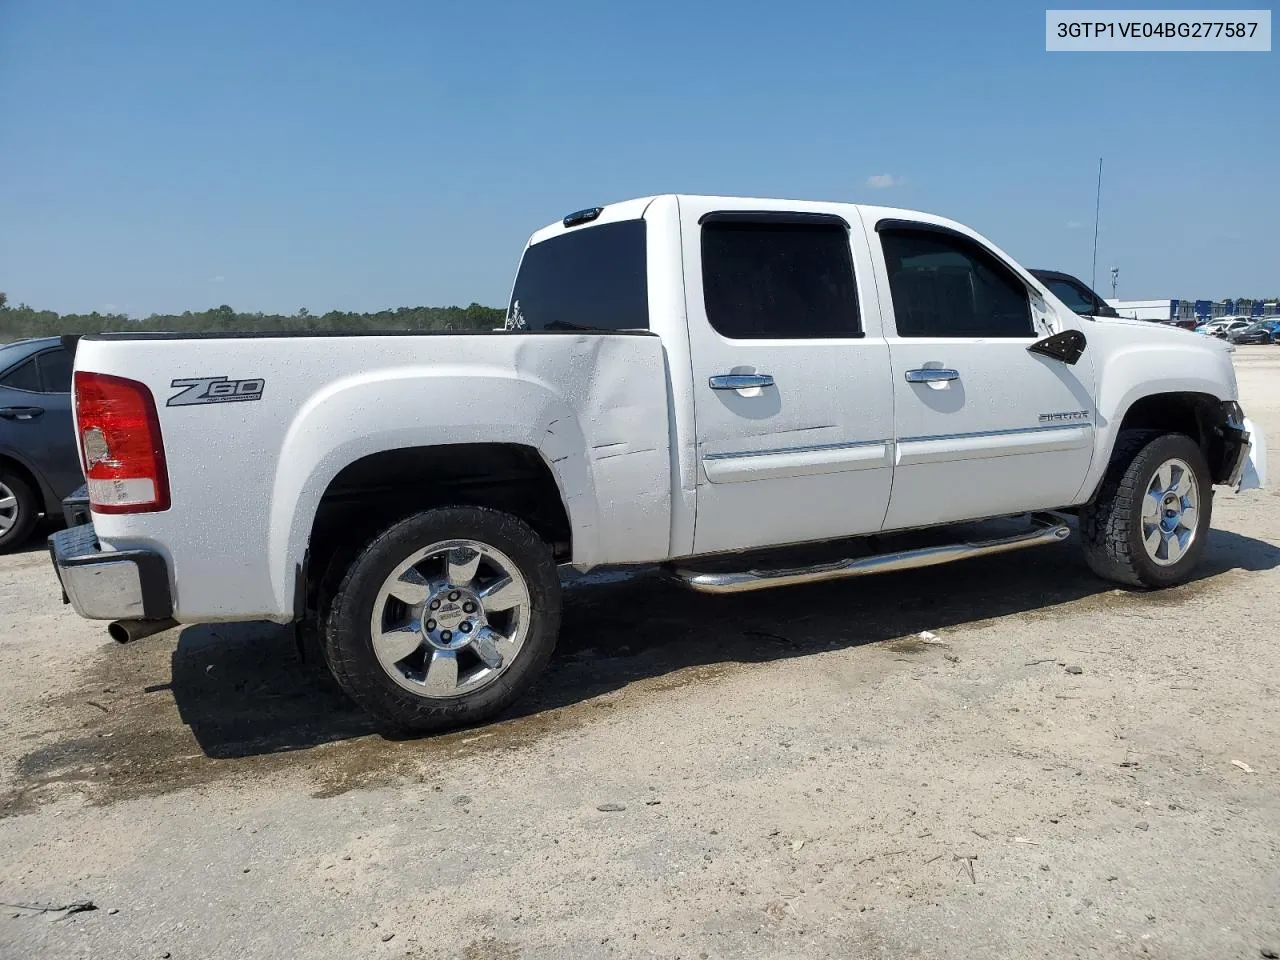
x=1046 y=529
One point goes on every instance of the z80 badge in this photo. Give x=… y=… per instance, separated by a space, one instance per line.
x=215 y=390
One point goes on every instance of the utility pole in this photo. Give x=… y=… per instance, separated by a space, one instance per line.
x=1097 y=210
x=1115 y=278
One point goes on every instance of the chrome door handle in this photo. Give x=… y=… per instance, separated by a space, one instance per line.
x=932 y=375
x=739 y=381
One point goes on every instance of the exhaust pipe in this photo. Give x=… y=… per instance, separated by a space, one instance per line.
x=127 y=631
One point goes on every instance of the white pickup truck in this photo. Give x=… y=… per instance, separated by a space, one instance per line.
x=682 y=380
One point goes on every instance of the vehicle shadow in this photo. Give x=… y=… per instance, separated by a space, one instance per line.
x=243 y=691
x=38 y=540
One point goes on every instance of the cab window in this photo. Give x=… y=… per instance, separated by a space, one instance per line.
x=591 y=278
x=779 y=278
x=945 y=285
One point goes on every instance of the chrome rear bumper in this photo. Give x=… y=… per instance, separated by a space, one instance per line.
x=109 y=585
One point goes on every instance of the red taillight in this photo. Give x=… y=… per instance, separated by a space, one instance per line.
x=120 y=445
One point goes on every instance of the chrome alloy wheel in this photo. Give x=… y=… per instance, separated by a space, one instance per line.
x=8 y=509
x=450 y=619
x=1170 y=512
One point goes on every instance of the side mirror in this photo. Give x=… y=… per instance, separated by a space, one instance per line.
x=1067 y=346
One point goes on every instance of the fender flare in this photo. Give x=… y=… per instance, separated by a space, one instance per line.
x=345 y=422
x=1109 y=423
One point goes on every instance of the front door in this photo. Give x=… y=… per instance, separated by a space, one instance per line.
x=982 y=427
x=792 y=400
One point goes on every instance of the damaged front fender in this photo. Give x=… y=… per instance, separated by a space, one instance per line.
x=1250 y=472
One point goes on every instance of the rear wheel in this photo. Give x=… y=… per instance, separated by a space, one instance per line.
x=19 y=509
x=1148 y=525
x=444 y=619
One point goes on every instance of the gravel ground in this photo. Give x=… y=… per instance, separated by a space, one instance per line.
x=1069 y=770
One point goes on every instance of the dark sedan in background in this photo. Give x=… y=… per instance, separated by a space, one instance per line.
x=1260 y=331
x=39 y=463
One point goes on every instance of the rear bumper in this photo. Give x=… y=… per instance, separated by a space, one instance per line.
x=109 y=585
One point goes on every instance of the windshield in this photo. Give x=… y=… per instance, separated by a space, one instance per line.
x=1075 y=294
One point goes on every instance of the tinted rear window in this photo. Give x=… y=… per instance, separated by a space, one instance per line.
x=23 y=377
x=55 y=371
x=775 y=280
x=592 y=278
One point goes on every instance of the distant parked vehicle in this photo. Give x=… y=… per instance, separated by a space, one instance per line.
x=39 y=461
x=1075 y=294
x=1213 y=326
x=1260 y=331
x=1226 y=331
x=1223 y=327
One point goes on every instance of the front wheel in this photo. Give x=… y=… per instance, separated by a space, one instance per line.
x=1148 y=524
x=444 y=619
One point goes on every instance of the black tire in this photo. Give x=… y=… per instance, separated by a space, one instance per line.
x=348 y=643
x=1111 y=526
x=27 y=508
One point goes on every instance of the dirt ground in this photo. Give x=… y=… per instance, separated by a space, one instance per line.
x=788 y=774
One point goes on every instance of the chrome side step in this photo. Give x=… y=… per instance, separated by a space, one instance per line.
x=1047 y=528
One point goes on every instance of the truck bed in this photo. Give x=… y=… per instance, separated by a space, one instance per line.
x=247 y=473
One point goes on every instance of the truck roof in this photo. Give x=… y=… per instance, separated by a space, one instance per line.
x=633 y=209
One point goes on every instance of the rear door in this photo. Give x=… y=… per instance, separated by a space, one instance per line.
x=792 y=399
x=35 y=418
x=983 y=427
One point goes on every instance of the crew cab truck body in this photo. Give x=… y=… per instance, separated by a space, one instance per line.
x=680 y=378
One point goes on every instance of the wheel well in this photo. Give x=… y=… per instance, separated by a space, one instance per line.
x=1200 y=416
x=31 y=480
x=372 y=493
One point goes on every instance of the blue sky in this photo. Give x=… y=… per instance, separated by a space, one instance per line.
x=162 y=156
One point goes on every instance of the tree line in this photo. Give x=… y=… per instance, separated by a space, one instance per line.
x=21 y=321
